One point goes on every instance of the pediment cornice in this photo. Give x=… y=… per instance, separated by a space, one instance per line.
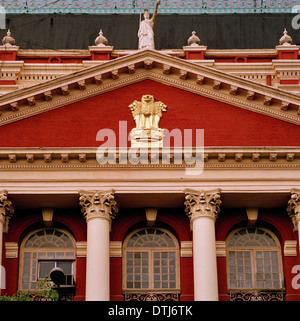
x=153 y=65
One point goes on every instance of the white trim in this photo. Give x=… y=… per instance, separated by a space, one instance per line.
x=154 y=61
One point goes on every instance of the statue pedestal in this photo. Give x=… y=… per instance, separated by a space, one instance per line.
x=194 y=52
x=101 y=52
x=149 y=138
x=287 y=51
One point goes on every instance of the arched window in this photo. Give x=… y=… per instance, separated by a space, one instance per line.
x=43 y=250
x=151 y=261
x=253 y=260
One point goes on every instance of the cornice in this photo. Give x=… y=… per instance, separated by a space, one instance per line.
x=240 y=52
x=149 y=64
x=213 y=157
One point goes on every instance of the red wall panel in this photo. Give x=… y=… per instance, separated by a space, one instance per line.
x=77 y=125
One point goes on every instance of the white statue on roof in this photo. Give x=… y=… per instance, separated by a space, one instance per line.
x=146 y=33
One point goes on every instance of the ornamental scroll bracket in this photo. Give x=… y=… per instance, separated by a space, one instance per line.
x=202 y=204
x=6 y=210
x=98 y=204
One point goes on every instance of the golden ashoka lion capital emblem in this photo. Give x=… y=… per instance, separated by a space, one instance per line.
x=146 y=114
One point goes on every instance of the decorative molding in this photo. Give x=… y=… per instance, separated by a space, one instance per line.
x=31 y=101
x=153 y=66
x=29 y=158
x=202 y=204
x=81 y=84
x=233 y=90
x=183 y=74
x=12 y=158
x=252 y=214
x=115 y=249
x=290 y=248
x=255 y=157
x=166 y=69
x=214 y=157
x=14 y=106
x=267 y=100
x=6 y=210
x=151 y=214
x=47 y=214
x=48 y=95
x=186 y=249
x=216 y=84
x=293 y=208
x=11 y=250
x=149 y=296
x=221 y=248
x=98 y=204
x=65 y=90
x=81 y=247
x=256 y=295
x=200 y=80
x=290 y=157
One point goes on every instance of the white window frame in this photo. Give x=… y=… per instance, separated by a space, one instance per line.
x=50 y=251
x=151 y=252
x=253 y=250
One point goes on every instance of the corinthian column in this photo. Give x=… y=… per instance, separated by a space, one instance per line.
x=202 y=208
x=98 y=208
x=6 y=212
x=293 y=210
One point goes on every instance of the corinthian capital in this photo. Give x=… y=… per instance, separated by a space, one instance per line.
x=293 y=207
x=98 y=204
x=202 y=204
x=6 y=210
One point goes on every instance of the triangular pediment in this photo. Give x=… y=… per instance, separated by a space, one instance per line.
x=155 y=66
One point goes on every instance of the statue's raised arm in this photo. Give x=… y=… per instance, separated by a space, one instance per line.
x=146 y=33
x=155 y=11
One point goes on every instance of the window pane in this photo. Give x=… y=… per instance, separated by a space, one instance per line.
x=264 y=266
x=45 y=268
x=240 y=268
x=251 y=237
x=49 y=238
x=164 y=270
x=150 y=238
x=66 y=266
x=137 y=270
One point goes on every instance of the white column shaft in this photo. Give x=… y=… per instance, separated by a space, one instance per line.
x=97 y=272
x=205 y=262
x=298 y=226
x=2 y=270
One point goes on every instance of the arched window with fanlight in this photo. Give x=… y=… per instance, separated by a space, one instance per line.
x=151 y=261
x=43 y=250
x=254 y=260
